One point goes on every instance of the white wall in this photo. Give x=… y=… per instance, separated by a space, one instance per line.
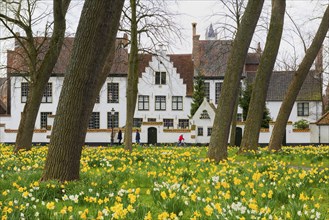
x=315 y=111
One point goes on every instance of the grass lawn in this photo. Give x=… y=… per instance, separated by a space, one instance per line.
x=169 y=183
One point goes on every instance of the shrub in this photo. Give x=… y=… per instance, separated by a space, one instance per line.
x=301 y=124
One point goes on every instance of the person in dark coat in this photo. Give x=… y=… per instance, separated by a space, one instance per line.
x=119 y=137
x=138 y=137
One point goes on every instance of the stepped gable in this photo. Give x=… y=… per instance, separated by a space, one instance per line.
x=182 y=62
x=16 y=62
x=280 y=80
x=184 y=65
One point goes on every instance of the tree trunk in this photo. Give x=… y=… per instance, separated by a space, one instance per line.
x=28 y=117
x=95 y=39
x=218 y=141
x=233 y=123
x=132 y=84
x=296 y=84
x=262 y=80
x=40 y=77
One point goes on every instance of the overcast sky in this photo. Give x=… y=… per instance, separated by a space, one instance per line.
x=202 y=12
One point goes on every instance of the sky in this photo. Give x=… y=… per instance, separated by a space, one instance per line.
x=203 y=13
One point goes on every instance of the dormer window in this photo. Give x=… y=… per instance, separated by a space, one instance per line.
x=160 y=78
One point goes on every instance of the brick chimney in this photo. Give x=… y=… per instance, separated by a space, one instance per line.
x=195 y=49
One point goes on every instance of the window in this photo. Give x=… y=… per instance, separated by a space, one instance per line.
x=48 y=94
x=151 y=119
x=113 y=120
x=160 y=102
x=143 y=102
x=209 y=131
x=303 y=109
x=43 y=119
x=24 y=91
x=207 y=91
x=168 y=123
x=160 y=78
x=200 y=131
x=113 y=93
x=177 y=103
x=218 y=88
x=94 y=121
x=183 y=123
x=137 y=122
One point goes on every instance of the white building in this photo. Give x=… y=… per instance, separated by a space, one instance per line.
x=165 y=89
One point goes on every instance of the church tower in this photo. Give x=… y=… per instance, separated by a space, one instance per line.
x=210 y=33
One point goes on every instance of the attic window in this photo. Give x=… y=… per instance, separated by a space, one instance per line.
x=204 y=115
x=160 y=78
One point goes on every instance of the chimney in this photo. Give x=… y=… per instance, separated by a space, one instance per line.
x=125 y=40
x=193 y=29
x=259 y=49
x=195 y=50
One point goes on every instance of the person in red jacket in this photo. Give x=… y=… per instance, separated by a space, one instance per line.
x=180 y=140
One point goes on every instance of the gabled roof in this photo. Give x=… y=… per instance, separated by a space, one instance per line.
x=182 y=62
x=324 y=120
x=280 y=81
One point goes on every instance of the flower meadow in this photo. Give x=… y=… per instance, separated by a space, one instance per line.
x=168 y=182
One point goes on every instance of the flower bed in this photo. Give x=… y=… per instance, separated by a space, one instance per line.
x=169 y=183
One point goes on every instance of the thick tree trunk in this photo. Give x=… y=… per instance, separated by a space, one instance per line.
x=218 y=141
x=95 y=39
x=132 y=84
x=262 y=80
x=296 y=84
x=39 y=75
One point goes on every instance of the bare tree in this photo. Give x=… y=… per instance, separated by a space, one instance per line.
x=37 y=71
x=219 y=137
x=92 y=53
x=297 y=82
x=263 y=76
x=151 y=20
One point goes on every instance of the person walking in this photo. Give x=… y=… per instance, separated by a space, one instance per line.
x=180 y=140
x=119 y=137
x=138 y=137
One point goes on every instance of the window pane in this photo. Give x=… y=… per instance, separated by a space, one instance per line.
x=163 y=78
x=157 y=78
x=113 y=92
x=113 y=120
x=206 y=91
x=24 y=91
x=94 y=121
x=43 y=119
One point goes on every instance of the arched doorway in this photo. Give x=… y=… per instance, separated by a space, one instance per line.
x=152 y=135
x=238 y=136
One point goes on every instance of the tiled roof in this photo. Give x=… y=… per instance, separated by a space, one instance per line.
x=324 y=120
x=17 y=64
x=214 y=55
x=280 y=80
